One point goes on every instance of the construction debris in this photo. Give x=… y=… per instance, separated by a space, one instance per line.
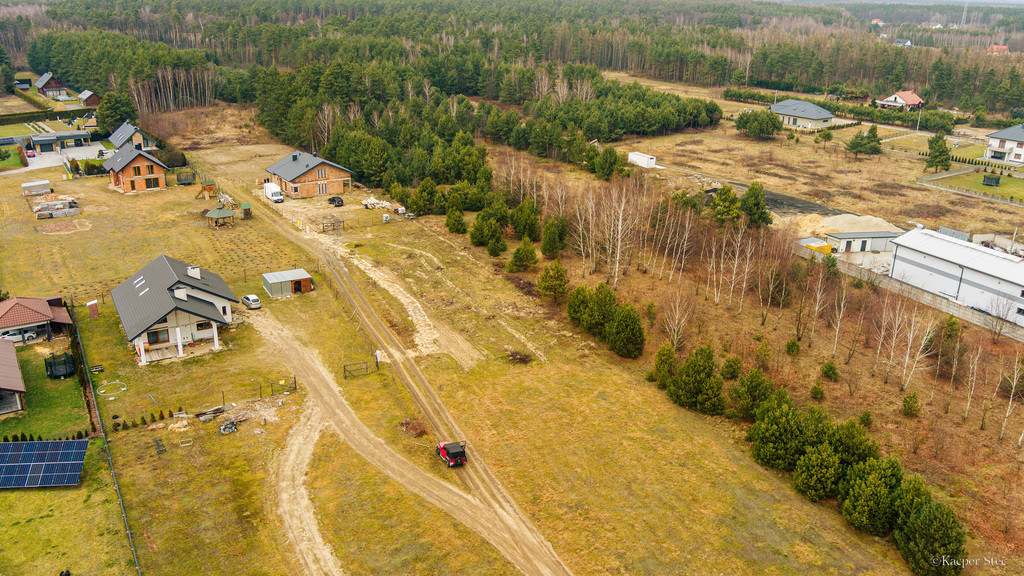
x=179 y=426
x=228 y=427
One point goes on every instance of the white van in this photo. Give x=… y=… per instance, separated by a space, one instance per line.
x=273 y=192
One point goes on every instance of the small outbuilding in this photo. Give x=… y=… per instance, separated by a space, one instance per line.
x=642 y=160
x=220 y=217
x=878 y=241
x=12 y=386
x=287 y=282
x=35 y=188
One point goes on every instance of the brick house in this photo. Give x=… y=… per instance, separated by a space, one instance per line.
x=44 y=316
x=132 y=170
x=50 y=87
x=127 y=132
x=302 y=175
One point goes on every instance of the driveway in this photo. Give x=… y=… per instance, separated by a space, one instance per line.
x=54 y=159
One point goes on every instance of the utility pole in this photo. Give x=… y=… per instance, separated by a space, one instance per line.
x=919 y=109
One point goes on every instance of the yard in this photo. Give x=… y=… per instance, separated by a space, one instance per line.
x=54 y=408
x=1008 y=186
x=13 y=160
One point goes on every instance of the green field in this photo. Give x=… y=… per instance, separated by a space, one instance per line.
x=1009 y=187
x=12 y=161
x=54 y=408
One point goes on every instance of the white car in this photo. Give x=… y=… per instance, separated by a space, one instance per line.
x=18 y=335
x=251 y=301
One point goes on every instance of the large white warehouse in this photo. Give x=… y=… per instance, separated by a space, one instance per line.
x=979 y=277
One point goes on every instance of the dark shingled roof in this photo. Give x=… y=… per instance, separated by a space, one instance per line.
x=125 y=155
x=800 y=109
x=123 y=134
x=43 y=80
x=298 y=163
x=65 y=135
x=147 y=296
x=1015 y=133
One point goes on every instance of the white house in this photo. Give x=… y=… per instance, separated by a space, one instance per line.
x=800 y=114
x=642 y=160
x=1006 y=146
x=968 y=273
x=905 y=99
x=170 y=304
x=880 y=241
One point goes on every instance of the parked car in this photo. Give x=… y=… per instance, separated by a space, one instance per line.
x=252 y=301
x=453 y=453
x=30 y=154
x=18 y=335
x=336 y=201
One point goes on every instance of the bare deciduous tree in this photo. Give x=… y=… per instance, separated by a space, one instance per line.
x=972 y=382
x=677 y=320
x=1000 y=312
x=1014 y=377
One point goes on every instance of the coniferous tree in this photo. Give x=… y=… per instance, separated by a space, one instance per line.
x=752 y=203
x=938 y=153
x=625 y=332
x=666 y=366
x=816 y=473
x=750 y=392
x=524 y=258
x=115 y=109
x=933 y=532
x=777 y=433
x=577 y=304
x=553 y=281
x=600 y=308
x=725 y=206
x=454 y=222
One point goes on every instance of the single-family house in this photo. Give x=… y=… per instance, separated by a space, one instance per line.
x=127 y=132
x=1006 y=146
x=998 y=49
x=169 y=305
x=876 y=241
x=903 y=43
x=287 y=282
x=303 y=175
x=50 y=87
x=89 y=98
x=878 y=21
x=132 y=170
x=968 y=273
x=44 y=316
x=800 y=114
x=12 y=385
x=905 y=99
x=56 y=141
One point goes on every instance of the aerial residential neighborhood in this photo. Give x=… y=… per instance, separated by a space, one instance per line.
x=511 y=288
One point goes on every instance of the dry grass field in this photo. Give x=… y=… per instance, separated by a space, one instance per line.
x=12 y=104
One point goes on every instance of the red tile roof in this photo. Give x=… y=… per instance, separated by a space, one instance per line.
x=10 y=372
x=22 y=311
x=998 y=48
x=909 y=97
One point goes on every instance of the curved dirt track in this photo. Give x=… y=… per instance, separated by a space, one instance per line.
x=293 y=501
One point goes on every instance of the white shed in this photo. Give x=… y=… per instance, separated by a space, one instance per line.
x=878 y=241
x=35 y=187
x=642 y=160
x=287 y=282
x=971 y=274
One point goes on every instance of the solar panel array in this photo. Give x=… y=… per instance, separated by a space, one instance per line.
x=39 y=464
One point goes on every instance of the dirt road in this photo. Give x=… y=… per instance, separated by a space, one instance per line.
x=489 y=512
x=293 y=500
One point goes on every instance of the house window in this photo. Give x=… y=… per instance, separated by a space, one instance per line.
x=295 y=190
x=224 y=311
x=149 y=169
x=203 y=325
x=157 y=336
x=136 y=171
x=321 y=173
x=131 y=184
x=1020 y=311
x=152 y=183
x=322 y=188
x=1002 y=143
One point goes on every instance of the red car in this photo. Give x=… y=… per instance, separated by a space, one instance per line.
x=30 y=154
x=453 y=453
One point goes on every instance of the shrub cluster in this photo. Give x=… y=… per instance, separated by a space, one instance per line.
x=599 y=313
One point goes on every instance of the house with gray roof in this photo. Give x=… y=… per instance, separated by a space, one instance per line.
x=128 y=133
x=303 y=175
x=1006 y=146
x=132 y=170
x=50 y=87
x=801 y=114
x=169 y=305
x=89 y=98
x=55 y=141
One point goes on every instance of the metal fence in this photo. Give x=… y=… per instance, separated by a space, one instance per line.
x=272 y=387
x=930 y=181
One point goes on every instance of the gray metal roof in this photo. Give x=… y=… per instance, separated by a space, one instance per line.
x=43 y=80
x=859 y=235
x=124 y=133
x=84 y=94
x=124 y=155
x=968 y=255
x=55 y=136
x=1015 y=133
x=147 y=296
x=800 y=109
x=286 y=276
x=298 y=163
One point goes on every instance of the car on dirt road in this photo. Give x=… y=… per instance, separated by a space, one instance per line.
x=251 y=301
x=453 y=453
x=336 y=201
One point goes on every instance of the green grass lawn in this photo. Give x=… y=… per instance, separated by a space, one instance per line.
x=12 y=130
x=79 y=528
x=12 y=161
x=56 y=125
x=54 y=408
x=107 y=144
x=1009 y=187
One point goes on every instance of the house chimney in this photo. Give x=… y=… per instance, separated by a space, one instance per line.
x=180 y=294
x=295 y=157
x=193 y=271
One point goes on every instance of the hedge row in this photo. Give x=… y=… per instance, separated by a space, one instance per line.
x=22 y=117
x=36 y=103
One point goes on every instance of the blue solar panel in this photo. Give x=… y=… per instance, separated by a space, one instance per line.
x=39 y=464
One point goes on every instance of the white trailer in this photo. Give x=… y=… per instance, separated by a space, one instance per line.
x=642 y=160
